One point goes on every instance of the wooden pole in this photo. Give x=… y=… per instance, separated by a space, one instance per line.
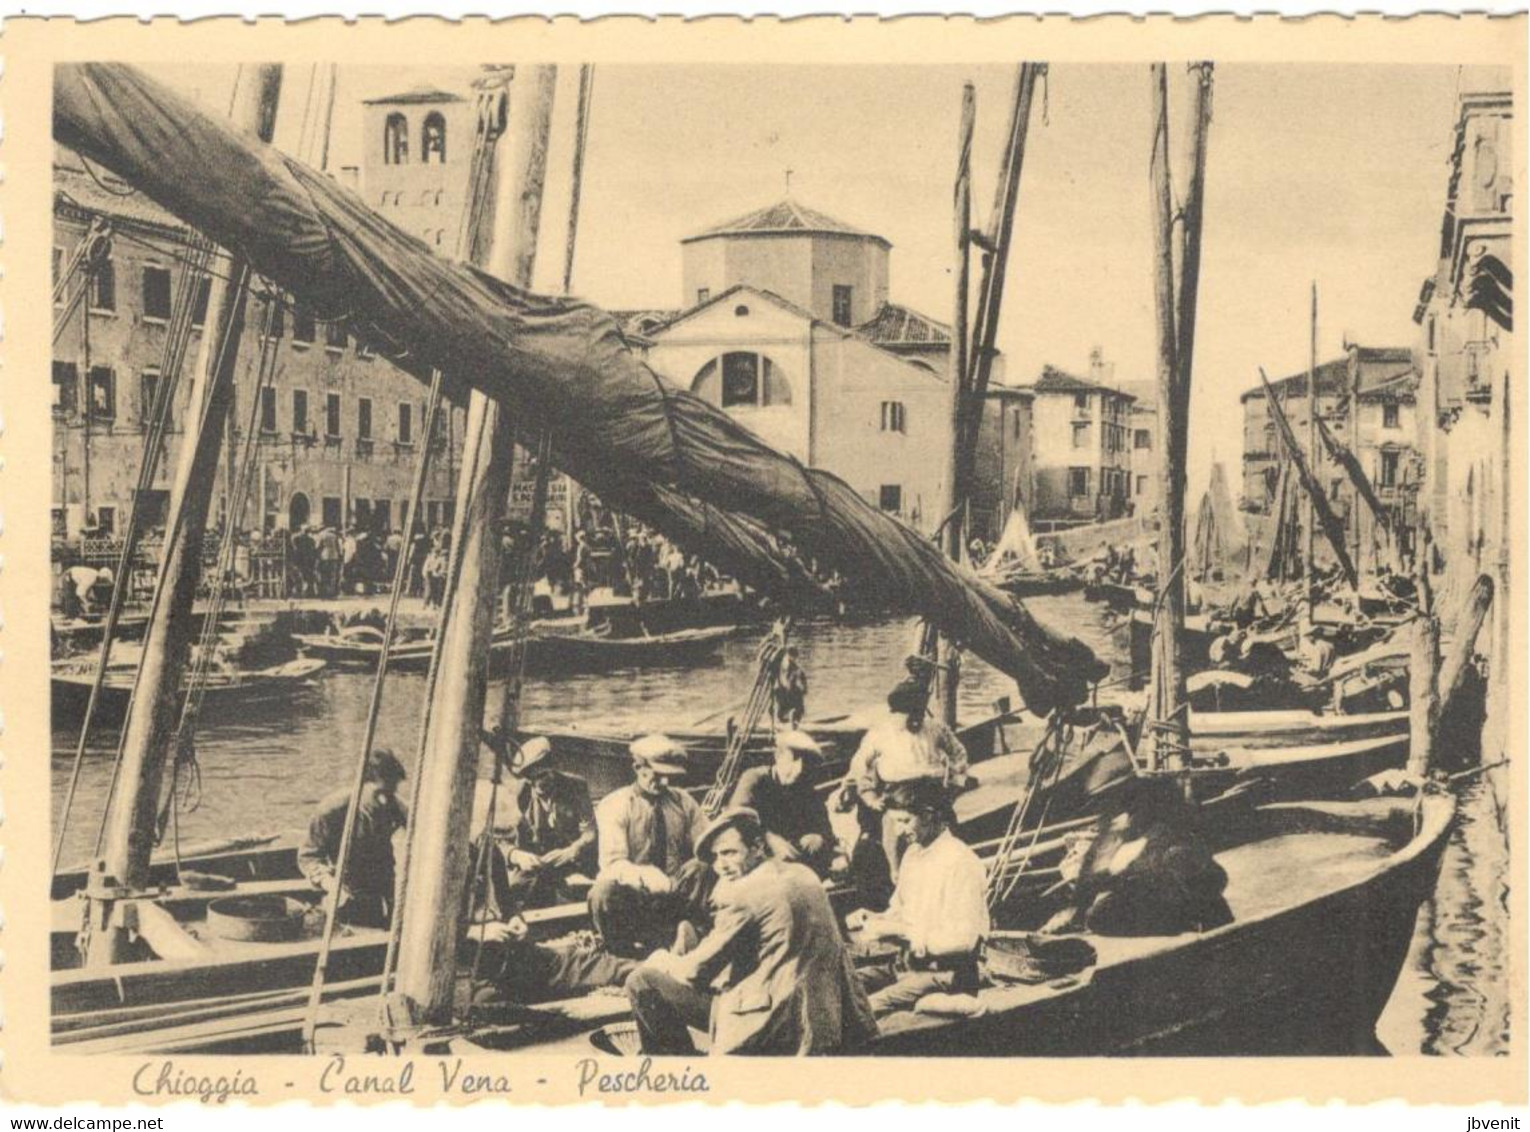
x=1463 y=642
x=1168 y=682
x=1423 y=672
x=1309 y=563
x=985 y=326
x=955 y=488
x=129 y=830
x=430 y=915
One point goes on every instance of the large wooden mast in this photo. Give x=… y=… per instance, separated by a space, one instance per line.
x=128 y=835
x=1309 y=563
x=1175 y=289
x=437 y=874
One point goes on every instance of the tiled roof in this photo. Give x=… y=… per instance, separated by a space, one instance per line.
x=105 y=194
x=786 y=216
x=415 y=97
x=1379 y=366
x=1054 y=380
x=895 y=325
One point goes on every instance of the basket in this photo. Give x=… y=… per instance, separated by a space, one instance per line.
x=618 y=1039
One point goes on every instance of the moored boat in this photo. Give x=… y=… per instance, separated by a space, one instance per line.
x=224 y=689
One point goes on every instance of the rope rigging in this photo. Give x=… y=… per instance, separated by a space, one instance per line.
x=740 y=731
x=177 y=337
x=205 y=655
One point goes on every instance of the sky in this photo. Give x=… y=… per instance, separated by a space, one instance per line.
x=1326 y=174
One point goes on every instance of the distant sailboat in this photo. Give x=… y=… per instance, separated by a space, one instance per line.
x=1015 y=564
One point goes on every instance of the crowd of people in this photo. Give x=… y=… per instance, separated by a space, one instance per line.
x=723 y=924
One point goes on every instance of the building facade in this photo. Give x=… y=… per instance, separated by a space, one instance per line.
x=790 y=329
x=1469 y=365
x=417 y=153
x=1004 y=477
x=1082 y=456
x=1146 y=436
x=1367 y=399
x=337 y=432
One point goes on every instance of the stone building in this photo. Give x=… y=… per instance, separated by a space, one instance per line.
x=1367 y=399
x=1470 y=367
x=1082 y=458
x=790 y=328
x=338 y=431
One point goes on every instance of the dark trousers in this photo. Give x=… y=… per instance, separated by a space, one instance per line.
x=633 y=922
x=521 y=972
x=666 y=1010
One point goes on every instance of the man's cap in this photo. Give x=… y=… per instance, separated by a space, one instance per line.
x=919 y=795
x=741 y=818
x=660 y=752
x=908 y=695
x=799 y=743
x=383 y=763
x=528 y=754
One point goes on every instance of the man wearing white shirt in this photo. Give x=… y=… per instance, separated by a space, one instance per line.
x=939 y=909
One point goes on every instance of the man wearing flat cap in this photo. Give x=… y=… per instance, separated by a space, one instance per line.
x=939 y=910
x=650 y=881
x=909 y=744
x=772 y=976
x=793 y=812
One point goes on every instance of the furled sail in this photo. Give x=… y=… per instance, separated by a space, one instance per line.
x=617 y=426
x=1342 y=456
x=1332 y=528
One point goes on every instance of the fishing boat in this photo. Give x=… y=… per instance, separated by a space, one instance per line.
x=550 y=648
x=1015 y=565
x=227 y=689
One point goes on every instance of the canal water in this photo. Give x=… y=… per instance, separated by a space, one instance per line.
x=263 y=773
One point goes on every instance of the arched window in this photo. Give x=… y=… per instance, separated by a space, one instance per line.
x=396 y=140
x=433 y=139
x=742 y=380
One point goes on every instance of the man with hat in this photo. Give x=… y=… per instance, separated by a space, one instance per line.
x=544 y=825
x=650 y=881
x=786 y=984
x=366 y=896
x=555 y=830
x=793 y=812
x=909 y=744
x=1317 y=651
x=939 y=909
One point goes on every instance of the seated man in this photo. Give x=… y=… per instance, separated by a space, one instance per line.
x=1147 y=871
x=793 y=812
x=939 y=909
x=786 y=982
x=650 y=882
x=554 y=837
x=366 y=897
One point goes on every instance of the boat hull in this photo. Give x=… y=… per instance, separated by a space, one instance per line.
x=1312 y=979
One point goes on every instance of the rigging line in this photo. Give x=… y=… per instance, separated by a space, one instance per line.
x=91 y=253
x=218 y=362
x=164 y=401
x=374 y=709
x=202 y=658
